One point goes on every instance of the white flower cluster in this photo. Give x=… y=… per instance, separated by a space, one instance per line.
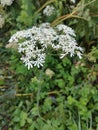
x=49 y=10
x=73 y=1
x=6 y=2
x=33 y=43
x=1 y=21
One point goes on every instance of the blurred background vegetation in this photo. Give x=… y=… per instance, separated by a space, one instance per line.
x=66 y=95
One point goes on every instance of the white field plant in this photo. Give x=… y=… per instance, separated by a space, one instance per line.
x=33 y=43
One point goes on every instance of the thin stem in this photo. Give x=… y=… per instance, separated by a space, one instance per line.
x=94 y=15
x=71 y=15
x=75 y=16
x=59 y=18
x=53 y=92
x=57 y=21
x=20 y=95
x=38 y=93
x=89 y=3
x=90 y=121
x=30 y=94
x=79 y=122
x=87 y=124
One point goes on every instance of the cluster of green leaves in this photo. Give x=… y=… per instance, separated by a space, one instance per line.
x=65 y=98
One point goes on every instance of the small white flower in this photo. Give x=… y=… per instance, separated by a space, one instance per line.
x=62 y=56
x=49 y=10
x=65 y=29
x=6 y=2
x=27 y=62
x=40 y=60
x=79 y=54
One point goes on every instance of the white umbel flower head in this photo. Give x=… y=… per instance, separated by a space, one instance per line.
x=33 y=43
x=49 y=10
x=6 y=2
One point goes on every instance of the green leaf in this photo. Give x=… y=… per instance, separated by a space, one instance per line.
x=2 y=81
x=23 y=118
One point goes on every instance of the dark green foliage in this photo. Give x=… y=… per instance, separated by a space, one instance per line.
x=67 y=98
